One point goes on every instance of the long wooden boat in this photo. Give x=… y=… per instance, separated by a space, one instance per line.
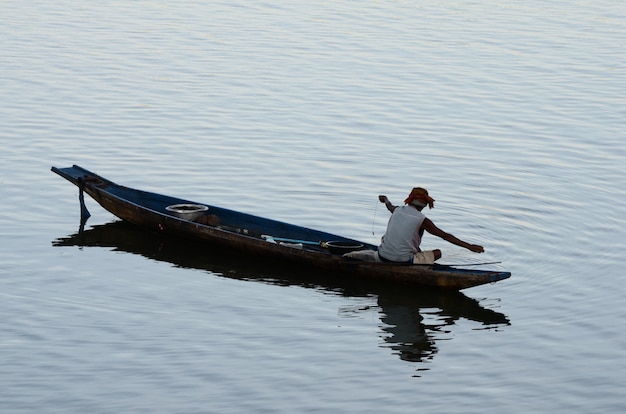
x=262 y=237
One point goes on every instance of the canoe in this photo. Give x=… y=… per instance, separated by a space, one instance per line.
x=260 y=237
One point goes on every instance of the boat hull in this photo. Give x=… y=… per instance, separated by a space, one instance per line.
x=243 y=232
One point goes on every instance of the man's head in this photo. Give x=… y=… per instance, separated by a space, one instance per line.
x=419 y=198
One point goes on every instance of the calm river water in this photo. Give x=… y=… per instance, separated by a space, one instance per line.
x=511 y=113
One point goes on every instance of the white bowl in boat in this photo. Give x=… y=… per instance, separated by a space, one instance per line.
x=187 y=211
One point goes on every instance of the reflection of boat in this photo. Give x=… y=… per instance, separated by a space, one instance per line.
x=253 y=235
x=404 y=329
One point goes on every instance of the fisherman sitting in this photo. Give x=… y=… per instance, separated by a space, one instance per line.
x=402 y=239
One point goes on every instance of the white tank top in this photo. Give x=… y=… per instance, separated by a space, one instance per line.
x=402 y=238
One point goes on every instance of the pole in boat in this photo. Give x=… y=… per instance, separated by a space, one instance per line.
x=84 y=213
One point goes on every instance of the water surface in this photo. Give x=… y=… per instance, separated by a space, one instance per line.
x=511 y=114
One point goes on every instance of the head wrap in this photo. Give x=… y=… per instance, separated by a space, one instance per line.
x=420 y=198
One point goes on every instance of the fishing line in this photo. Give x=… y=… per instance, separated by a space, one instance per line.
x=374 y=220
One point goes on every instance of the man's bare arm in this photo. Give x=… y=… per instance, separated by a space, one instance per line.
x=384 y=199
x=430 y=227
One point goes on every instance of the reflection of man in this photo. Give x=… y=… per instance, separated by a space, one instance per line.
x=414 y=339
x=407 y=333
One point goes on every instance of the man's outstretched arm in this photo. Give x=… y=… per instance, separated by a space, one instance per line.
x=430 y=227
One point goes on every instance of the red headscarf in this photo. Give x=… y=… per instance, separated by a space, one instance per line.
x=420 y=195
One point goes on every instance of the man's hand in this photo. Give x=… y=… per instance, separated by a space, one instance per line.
x=476 y=248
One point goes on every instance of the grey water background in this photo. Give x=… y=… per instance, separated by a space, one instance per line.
x=512 y=114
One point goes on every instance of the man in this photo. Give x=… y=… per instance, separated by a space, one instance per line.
x=401 y=242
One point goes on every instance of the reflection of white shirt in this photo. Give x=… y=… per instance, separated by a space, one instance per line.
x=402 y=238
